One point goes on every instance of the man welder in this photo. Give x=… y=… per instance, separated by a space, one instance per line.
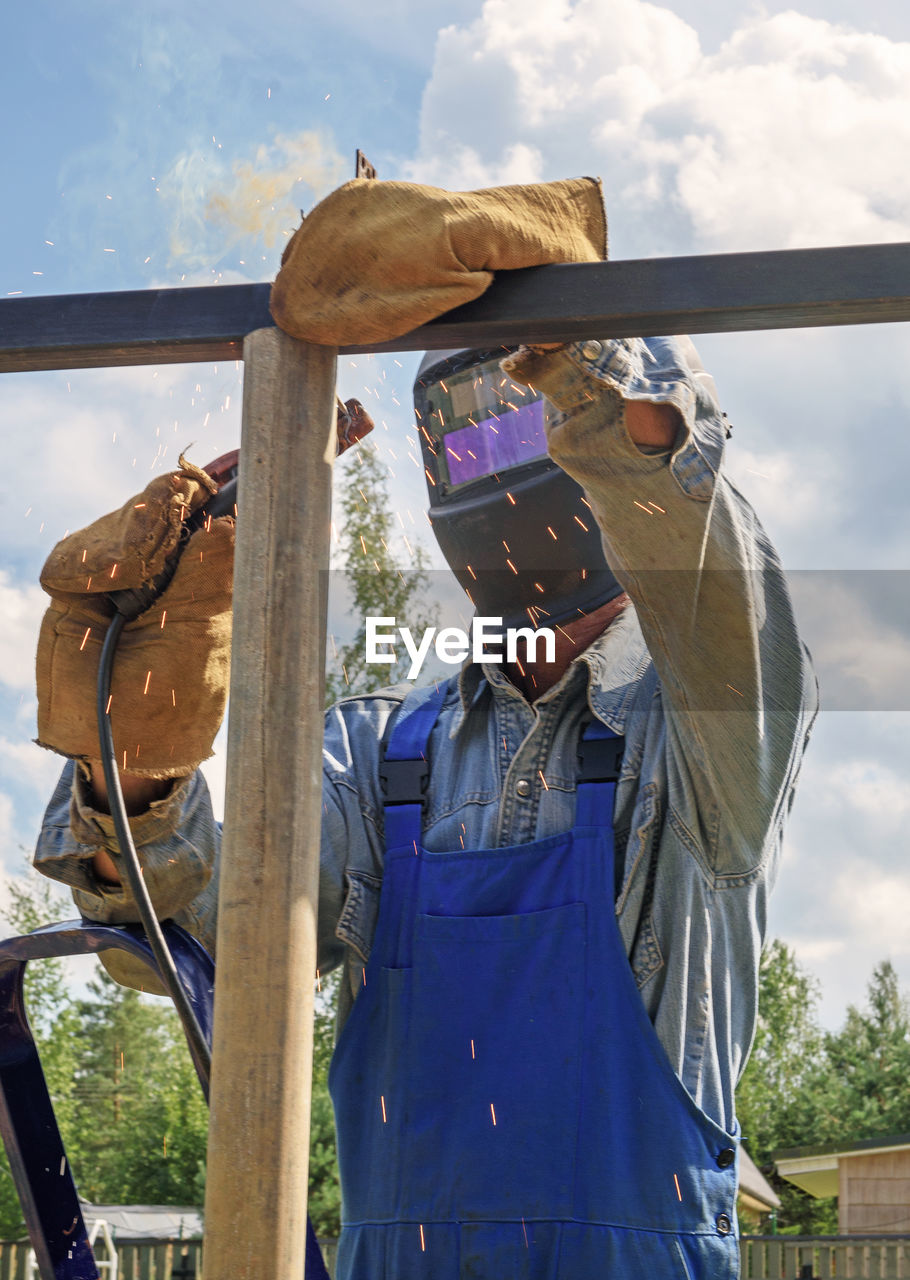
x=546 y=883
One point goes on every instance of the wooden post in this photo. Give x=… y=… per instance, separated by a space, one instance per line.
x=255 y=1205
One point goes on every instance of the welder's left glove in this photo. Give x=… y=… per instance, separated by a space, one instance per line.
x=376 y=259
x=170 y=674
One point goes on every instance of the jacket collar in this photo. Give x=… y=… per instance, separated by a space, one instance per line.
x=611 y=666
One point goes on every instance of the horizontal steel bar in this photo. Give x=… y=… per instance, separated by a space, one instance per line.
x=715 y=293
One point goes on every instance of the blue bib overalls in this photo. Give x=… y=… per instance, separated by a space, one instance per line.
x=505 y=1110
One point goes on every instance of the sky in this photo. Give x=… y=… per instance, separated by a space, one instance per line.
x=166 y=144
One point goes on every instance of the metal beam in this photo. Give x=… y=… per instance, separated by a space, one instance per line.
x=714 y=293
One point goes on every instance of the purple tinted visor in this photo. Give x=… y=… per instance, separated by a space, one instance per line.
x=496 y=443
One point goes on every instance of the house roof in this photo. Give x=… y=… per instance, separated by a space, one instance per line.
x=146 y=1221
x=816 y=1169
x=755 y=1191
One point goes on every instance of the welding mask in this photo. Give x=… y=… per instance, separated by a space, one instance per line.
x=515 y=529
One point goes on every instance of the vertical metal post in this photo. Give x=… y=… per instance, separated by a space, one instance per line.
x=255 y=1208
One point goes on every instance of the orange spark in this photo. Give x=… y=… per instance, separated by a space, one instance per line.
x=88 y=632
x=493 y=1113
x=678 y=1192
x=148 y=676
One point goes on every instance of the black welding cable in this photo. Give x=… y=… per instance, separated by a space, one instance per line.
x=169 y=976
x=129 y=605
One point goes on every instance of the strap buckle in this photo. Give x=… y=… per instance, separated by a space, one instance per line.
x=600 y=759
x=404 y=781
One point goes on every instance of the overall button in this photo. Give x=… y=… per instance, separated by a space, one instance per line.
x=723 y=1224
x=726 y=1157
x=523 y=788
x=591 y=349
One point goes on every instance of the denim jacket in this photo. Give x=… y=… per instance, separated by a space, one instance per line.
x=704 y=675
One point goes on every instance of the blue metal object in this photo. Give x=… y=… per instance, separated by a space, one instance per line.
x=28 y=1126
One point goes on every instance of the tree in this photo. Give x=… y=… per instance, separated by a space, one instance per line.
x=804 y=1086
x=379 y=585
x=869 y=1065
x=126 y=1097
x=777 y=1098
x=324 y=1199
x=142 y=1126
x=34 y=902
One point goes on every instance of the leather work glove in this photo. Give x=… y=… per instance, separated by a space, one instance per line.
x=376 y=259
x=172 y=666
x=171 y=671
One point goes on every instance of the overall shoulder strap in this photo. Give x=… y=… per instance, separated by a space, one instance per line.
x=404 y=770
x=600 y=753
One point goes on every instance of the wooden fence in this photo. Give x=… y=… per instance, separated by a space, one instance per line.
x=763 y=1258
x=821 y=1257
x=144 y=1260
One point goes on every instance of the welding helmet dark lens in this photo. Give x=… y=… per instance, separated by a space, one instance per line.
x=483 y=423
x=515 y=530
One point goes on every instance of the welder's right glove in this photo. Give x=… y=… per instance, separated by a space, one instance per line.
x=172 y=666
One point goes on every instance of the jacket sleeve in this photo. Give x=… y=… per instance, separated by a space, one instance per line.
x=178 y=842
x=706 y=582
x=179 y=845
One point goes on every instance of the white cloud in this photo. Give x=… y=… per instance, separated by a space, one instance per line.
x=788 y=494
x=843 y=891
x=215 y=770
x=78 y=444
x=878 y=905
x=869 y=792
x=21 y=610
x=858 y=632
x=786 y=136
x=6 y=820
x=30 y=764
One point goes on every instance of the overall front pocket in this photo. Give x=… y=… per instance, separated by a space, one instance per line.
x=494 y=1061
